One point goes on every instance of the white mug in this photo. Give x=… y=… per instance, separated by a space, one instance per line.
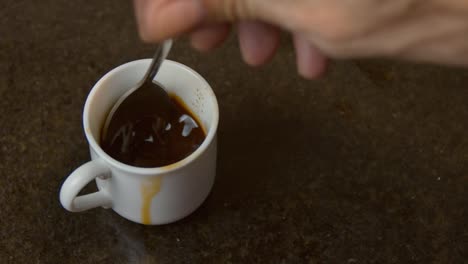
x=151 y=196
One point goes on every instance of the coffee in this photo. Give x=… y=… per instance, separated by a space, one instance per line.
x=145 y=140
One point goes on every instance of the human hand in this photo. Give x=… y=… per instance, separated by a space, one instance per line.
x=429 y=31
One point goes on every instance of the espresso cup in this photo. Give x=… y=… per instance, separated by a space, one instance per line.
x=151 y=196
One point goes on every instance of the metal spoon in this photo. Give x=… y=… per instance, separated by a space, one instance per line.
x=146 y=89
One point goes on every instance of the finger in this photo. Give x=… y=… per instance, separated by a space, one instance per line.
x=311 y=63
x=271 y=11
x=258 y=42
x=158 y=20
x=139 y=7
x=209 y=36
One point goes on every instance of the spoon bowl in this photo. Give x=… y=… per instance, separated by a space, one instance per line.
x=145 y=91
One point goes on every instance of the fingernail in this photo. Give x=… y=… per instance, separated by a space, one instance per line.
x=310 y=62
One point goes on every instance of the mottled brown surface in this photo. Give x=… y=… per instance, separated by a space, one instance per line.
x=368 y=165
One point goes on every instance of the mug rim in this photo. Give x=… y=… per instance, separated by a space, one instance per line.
x=210 y=136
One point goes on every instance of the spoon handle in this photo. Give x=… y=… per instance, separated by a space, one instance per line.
x=159 y=56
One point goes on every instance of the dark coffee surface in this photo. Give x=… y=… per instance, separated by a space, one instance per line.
x=138 y=136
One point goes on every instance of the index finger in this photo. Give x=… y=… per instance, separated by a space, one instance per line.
x=161 y=19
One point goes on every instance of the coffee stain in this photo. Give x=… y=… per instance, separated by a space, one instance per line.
x=148 y=191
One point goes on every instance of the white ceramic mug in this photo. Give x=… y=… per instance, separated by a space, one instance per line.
x=146 y=195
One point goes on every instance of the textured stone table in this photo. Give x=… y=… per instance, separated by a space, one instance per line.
x=367 y=165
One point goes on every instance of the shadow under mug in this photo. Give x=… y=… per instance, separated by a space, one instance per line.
x=151 y=196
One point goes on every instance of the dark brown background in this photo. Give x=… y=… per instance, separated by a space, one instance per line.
x=367 y=165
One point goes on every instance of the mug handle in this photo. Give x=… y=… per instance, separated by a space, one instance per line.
x=78 y=180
